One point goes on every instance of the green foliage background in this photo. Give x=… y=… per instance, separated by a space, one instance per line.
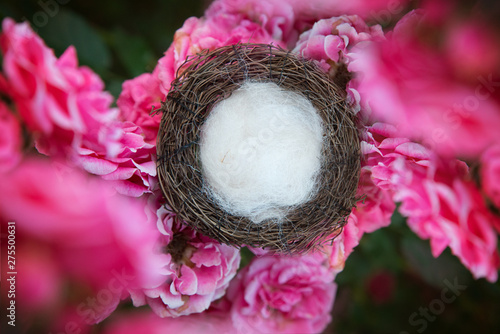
x=390 y=275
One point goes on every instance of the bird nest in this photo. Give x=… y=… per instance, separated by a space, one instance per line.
x=211 y=76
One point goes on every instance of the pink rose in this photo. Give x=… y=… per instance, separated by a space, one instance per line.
x=330 y=40
x=285 y=19
x=10 y=139
x=282 y=294
x=490 y=175
x=196 y=270
x=138 y=98
x=376 y=206
x=381 y=148
x=278 y=18
x=450 y=211
x=131 y=168
x=94 y=236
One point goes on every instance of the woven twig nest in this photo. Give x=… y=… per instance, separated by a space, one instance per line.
x=212 y=76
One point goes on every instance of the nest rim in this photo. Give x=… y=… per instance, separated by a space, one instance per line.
x=211 y=76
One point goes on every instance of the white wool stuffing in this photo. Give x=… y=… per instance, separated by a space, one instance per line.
x=260 y=151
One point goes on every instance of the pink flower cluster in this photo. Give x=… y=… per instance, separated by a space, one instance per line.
x=286 y=20
x=438 y=101
x=330 y=42
x=85 y=220
x=196 y=270
x=490 y=175
x=396 y=77
x=282 y=294
x=70 y=227
x=442 y=204
x=272 y=294
x=69 y=115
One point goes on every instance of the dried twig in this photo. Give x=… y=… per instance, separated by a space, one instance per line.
x=212 y=76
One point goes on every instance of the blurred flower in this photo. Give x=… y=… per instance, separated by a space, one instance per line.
x=69 y=320
x=409 y=80
x=379 y=10
x=207 y=322
x=196 y=270
x=490 y=175
x=98 y=239
x=472 y=50
x=39 y=286
x=282 y=294
x=381 y=287
x=10 y=139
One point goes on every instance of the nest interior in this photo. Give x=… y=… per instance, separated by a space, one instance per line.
x=212 y=76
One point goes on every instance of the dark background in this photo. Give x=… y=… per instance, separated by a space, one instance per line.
x=389 y=277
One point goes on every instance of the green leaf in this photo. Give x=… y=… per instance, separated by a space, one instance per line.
x=133 y=52
x=246 y=256
x=114 y=86
x=433 y=270
x=380 y=249
x=68 y=28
